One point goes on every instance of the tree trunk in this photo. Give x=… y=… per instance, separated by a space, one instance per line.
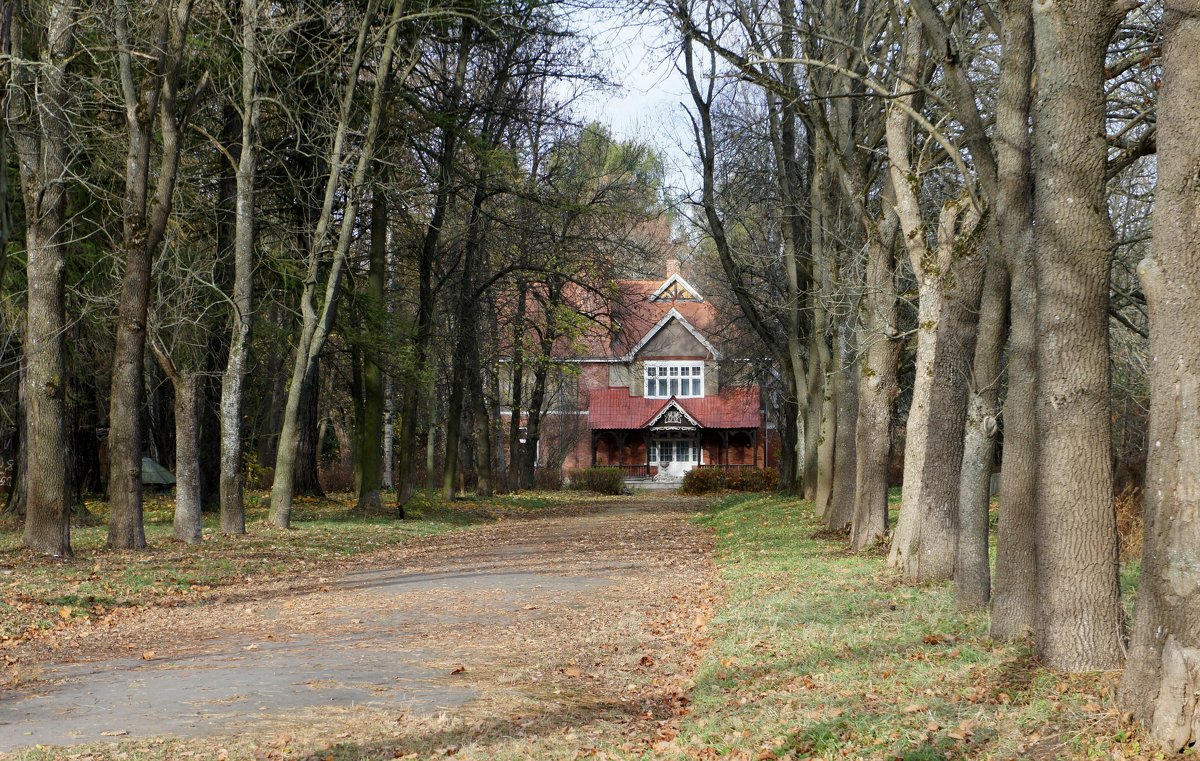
x=145 y=220
x=389 y=438
x=368 y=459
x=877 y=390
x=39 y=133
x=1079 y=622
x=972 y=570
x=1015 y=585
x=1161 y=680
x=845 y=469
x=188 y=521
x=516 y=384
x=18 y=488
x=306 y=470
x=233 y=508
x=316 y=324
x=949 y=276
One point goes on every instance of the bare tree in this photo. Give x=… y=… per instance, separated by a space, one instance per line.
x=41 y=47
x=144 y=218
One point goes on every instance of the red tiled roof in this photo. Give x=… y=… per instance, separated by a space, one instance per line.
x=614 y=408
x=634 y=315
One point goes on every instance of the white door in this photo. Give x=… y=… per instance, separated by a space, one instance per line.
x=680 y=455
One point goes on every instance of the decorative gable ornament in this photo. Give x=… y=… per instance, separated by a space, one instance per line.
x=675 y=288
x=672 y=417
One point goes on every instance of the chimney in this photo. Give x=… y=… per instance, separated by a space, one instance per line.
x=672 y=267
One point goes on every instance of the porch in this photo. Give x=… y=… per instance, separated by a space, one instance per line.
x=655 y=455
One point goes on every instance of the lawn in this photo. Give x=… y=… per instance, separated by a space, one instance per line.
x=823 y=653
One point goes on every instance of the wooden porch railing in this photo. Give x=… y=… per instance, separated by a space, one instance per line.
x=632 y=471
x=732 y=466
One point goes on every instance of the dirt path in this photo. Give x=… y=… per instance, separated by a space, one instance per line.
x=496 y=640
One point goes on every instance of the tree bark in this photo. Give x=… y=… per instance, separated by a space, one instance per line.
x=188 y=523
x=972 y=569
x=233 y=508
x=877 y=391
x=845 y=469
x=38 y=120
x=1015 y=584
x=1080 y=620
x=1163 y=674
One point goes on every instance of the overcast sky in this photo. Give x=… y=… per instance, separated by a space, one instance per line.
x=645 y=105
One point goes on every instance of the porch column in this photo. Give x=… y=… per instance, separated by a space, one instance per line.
x=754 y=437
x=595 y=441
x=725 y=446
x=621 y=447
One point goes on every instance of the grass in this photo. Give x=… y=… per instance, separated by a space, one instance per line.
x=822 y=653
x=39 y=594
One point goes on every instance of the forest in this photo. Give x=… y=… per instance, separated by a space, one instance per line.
x=313 y=247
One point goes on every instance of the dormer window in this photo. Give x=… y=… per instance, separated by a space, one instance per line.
x=681 y=379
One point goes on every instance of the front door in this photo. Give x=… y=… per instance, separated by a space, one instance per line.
x=677 y=455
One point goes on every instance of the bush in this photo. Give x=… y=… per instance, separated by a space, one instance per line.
x=599 y=480
x=548 y=479
x=709 y=480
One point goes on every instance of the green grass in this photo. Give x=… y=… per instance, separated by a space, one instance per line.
x=819 y=652
x=38 y=593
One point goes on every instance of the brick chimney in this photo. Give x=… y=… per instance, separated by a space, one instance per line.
x=672 y=267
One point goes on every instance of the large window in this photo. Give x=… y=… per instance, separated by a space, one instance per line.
x=667 y=379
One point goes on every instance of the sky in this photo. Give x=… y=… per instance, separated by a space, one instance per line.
x=646 y=103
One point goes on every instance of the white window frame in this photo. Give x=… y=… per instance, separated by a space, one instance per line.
x=657 y=378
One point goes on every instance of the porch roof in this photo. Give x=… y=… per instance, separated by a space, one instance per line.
x=615 y=409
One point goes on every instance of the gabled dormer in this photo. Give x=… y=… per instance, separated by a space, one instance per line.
x=675 y=288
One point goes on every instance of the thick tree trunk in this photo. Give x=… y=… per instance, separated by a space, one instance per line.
x=1080 y=619
x=1162 y=678
x=39 y=133
x=145 y=220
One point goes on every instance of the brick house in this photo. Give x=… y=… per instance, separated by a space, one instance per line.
x=645 y=390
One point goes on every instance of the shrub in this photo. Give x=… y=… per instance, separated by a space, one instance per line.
x=548 y=479
x=708 y=480
x=599 y=480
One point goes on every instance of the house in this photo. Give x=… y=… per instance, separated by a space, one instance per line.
x=645 y=392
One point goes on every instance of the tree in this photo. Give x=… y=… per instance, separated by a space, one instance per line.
x=233 y=510
x=43 y=45
x=144 y=221
x=316 y=322
x=1163 y=673
x=1080 y=615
